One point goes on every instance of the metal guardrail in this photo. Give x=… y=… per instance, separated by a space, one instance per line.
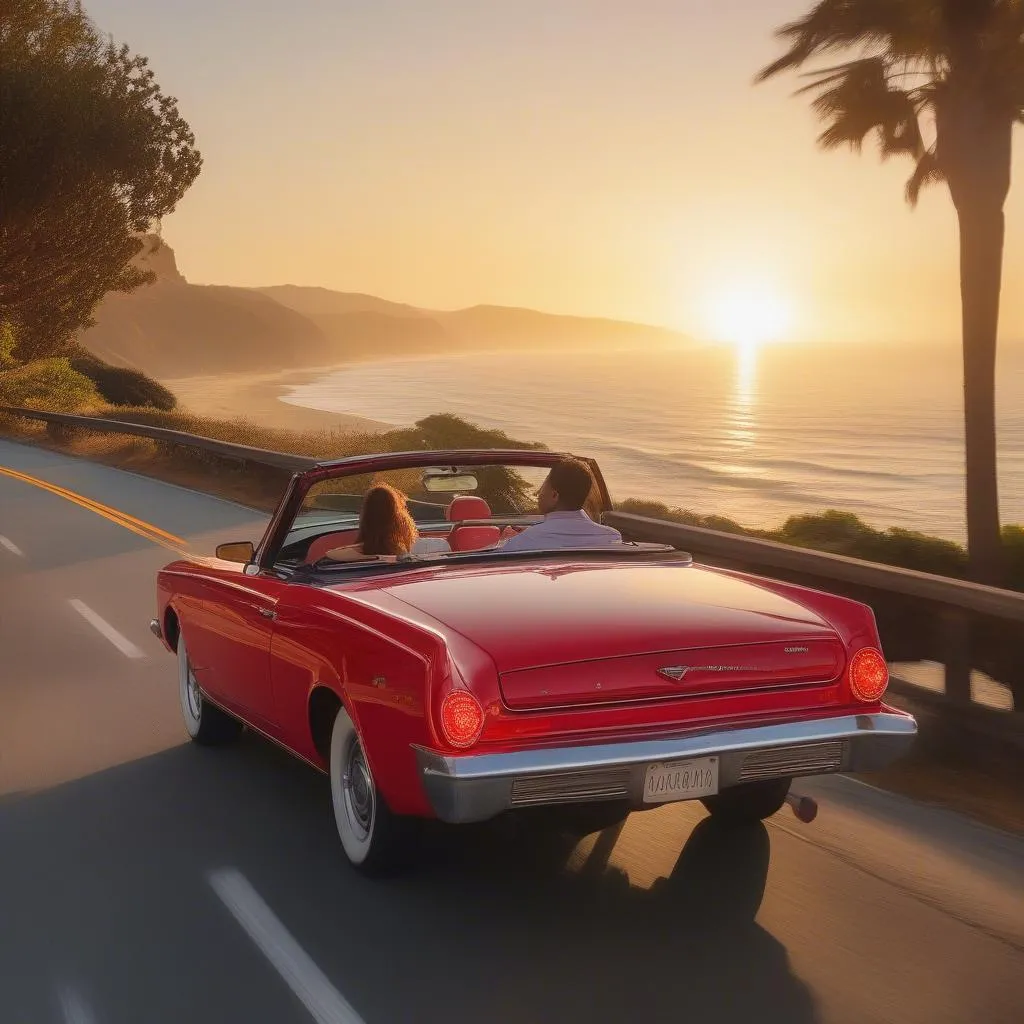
x=972 y=597
x=240 y=452
x=956 y=602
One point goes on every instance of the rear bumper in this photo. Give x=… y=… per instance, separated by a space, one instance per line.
x=475 y=787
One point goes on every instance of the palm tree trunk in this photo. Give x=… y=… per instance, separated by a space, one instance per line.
x=981 y=259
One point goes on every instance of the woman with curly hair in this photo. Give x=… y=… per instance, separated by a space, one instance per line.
x=386 y=528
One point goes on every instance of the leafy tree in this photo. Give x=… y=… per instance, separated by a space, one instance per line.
x=504 y=488
x=940 y=82
x=93 y=154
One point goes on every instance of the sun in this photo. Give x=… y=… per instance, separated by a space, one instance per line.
x=748 y=316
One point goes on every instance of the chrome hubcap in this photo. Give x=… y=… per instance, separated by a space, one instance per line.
x=358 y=786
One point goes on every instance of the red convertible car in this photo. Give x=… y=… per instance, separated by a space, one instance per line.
x=462 y=681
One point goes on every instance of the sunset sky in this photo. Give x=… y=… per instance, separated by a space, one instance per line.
x=601 y=157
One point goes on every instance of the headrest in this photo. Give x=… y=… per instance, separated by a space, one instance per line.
x=467 y=506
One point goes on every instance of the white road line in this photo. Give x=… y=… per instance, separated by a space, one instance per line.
x=121 y=642
x=74 y=1008
x=304 y=978
x=11 y=546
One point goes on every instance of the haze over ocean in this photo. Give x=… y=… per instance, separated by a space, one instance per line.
x=754 y=436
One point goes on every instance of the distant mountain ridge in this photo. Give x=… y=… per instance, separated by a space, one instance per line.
x=176 y=329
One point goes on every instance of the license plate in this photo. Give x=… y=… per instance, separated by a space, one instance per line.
x=680 y=780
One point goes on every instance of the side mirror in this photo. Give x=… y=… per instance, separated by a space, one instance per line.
x=239 y=551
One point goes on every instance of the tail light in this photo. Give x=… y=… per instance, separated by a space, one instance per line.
x=462 y=718
x=869 y=675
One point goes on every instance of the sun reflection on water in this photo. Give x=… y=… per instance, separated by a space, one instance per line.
x=746 y=373
x=742 y=429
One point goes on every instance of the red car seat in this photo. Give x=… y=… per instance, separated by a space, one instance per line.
x=470 y=538
x=328 y=542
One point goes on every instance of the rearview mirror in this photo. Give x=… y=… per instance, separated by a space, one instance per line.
x=237 y=551
x=449 y=482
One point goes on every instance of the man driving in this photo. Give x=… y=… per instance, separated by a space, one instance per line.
x=561 y=499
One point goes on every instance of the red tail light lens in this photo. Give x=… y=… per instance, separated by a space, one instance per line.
x=462 y=718
x=869 y=675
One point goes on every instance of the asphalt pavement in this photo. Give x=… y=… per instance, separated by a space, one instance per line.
x=144 y=880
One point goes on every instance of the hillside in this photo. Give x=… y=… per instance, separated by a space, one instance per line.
x=176 y=329
x=500 y=326
x=311 y=301
x=172 y=330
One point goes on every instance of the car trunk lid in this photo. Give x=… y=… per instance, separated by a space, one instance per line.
x=681 y=673
x=551 y=614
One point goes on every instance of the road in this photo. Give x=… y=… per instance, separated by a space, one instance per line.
x=143 y=880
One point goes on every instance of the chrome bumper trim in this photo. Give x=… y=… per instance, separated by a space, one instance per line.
x=474 y=787
x=154 y=628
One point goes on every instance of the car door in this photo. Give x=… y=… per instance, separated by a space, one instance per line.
x=229 y=626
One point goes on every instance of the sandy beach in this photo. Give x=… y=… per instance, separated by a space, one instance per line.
x=257 y=397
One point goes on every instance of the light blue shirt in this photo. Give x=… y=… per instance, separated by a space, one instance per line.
x=563 y=530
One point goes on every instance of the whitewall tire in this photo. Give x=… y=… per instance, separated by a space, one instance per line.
x=205 y=723
x=372 y=837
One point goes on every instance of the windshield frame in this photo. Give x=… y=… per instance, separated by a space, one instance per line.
x=294 y=496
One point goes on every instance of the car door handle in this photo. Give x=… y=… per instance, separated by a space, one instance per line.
x=268 y=613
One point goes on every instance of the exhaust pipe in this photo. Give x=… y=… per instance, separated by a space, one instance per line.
x=804 y=807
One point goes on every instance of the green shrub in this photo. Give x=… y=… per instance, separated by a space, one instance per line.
x=912 y=550
x=1013 y=545
x=48 y=384
x=122 y=386
x=843 y=533
x=659 y=510
x=446 y=430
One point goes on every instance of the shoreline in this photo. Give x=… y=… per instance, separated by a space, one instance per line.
x=260 y=397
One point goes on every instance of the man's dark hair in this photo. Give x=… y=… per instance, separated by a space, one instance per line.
x=571 y=479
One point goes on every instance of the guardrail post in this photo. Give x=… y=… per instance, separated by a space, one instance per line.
x=956 y=643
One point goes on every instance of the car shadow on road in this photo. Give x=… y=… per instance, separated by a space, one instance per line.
x=104 y=880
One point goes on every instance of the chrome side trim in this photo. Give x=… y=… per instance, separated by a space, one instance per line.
x=675 y=695
x=474 y=787
x=263 y=733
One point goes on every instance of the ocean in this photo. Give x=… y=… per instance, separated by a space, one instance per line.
x=752 y=435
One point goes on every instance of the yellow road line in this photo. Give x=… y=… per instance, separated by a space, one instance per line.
x=122 y=519
x=81 y=499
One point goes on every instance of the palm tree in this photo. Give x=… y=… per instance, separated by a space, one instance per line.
x=941 y=82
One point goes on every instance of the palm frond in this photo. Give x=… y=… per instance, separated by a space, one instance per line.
x=898 y=29
x=857 y=99
x=927 y=172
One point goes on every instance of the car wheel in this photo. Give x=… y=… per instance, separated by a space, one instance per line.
x=373 y=838
x=205 y=723
x=748 y=802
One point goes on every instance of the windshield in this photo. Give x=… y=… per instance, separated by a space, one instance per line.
x=428 y=493
x=439 y=513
